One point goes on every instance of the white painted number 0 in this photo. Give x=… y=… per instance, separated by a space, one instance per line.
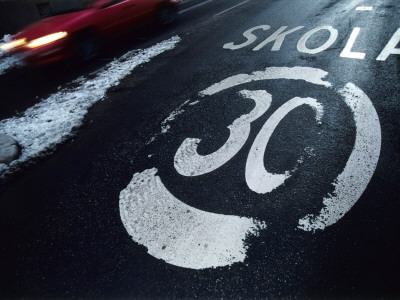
x=189 y=163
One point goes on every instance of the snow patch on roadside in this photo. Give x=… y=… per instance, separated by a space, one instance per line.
x=7 y=62
x=42 y=127
x=6 y=38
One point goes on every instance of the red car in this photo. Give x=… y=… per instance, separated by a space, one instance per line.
x=80 y=33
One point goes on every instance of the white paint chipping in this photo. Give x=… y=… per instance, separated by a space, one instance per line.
x=165 y=127
x=364 y=8
x=258 y=178
x=312 y=75
x=194 y=103
x=50 y=122
x=164 y=124
x=178 y=233
x=310 y=151
x=151 y=140
x=188 y=162
x=360 y=167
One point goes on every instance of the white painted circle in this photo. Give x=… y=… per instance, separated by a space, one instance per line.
x=191 y=238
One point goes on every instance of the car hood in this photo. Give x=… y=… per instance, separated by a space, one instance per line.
x=51 y=25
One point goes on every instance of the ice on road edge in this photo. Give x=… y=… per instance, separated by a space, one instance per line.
x=7 y=62
x=50 y=122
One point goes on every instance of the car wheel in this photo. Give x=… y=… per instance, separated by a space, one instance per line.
x=87 y=47
x=166 y=16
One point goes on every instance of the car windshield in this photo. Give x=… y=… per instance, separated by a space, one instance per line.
x=65 y=6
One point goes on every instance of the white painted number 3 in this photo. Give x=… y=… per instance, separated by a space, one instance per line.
x=189 y=163
x=187 y=237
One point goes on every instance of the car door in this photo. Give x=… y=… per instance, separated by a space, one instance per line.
x=117 y=16
x=142 y=11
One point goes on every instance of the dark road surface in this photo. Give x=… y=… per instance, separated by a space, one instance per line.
x=237 y=223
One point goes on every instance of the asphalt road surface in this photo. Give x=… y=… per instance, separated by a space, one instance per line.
x=257 y=156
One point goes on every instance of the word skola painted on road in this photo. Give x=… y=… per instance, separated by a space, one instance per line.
x=279 y=35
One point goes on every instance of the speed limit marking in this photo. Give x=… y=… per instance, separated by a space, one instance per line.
x=188 y=237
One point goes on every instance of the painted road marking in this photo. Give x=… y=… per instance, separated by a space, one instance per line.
x=390 y=48
x=233 y=7
x=364 y=8
x=187 y=237
x=50 y=122
x=258 y=178
x=349 y=45
x=178 y=233
x=248 y=34
x=351 y=183
x=277 y=38
x=195 y=6
x=188 y=162
x=301 y=45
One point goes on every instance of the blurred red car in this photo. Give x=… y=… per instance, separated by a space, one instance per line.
x=80 y=33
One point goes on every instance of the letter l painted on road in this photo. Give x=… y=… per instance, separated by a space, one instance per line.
x=347 y=50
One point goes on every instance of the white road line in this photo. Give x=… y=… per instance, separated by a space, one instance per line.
x=195 y=6
x=363 y=8
x=222 y=12
x=188 y=1
x=50 y=122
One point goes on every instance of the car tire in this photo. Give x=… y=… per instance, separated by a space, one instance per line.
x=166 y=15
x=87 y=47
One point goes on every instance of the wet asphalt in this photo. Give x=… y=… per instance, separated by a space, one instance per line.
x=62 y=234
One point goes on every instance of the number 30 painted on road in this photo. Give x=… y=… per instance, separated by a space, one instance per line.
x=187 y=237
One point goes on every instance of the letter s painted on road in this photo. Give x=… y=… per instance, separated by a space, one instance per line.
x=248 y=34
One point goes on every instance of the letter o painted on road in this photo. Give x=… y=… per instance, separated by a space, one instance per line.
x=301 y=45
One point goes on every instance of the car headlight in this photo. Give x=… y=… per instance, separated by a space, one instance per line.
x=47 y=39
x=13 y=44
